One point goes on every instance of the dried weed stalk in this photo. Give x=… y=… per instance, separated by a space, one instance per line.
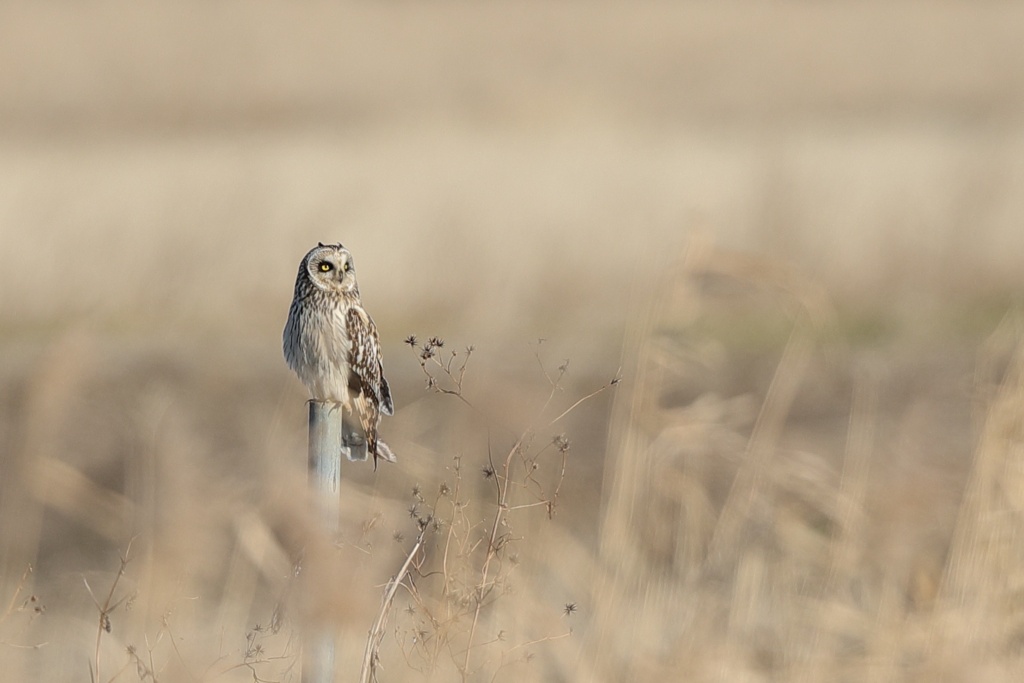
x=104 y=611
x=32 y=605
x=454 y=580
x=150 y=663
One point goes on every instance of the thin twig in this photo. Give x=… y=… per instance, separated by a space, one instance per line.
x=17 y=591
x=491 y=552
x=370 y=656
x=107 y=607
x=589 y=396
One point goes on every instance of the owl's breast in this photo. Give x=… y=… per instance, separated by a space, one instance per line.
x=324 y=348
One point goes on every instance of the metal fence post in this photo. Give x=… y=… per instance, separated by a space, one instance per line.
x=324 y=462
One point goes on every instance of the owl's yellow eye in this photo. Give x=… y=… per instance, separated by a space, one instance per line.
x=348 y=266
x=325 y=267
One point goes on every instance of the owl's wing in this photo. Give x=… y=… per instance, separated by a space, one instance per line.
x=365 y=359
x=387 y=406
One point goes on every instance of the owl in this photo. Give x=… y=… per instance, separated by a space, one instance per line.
x=332 y=345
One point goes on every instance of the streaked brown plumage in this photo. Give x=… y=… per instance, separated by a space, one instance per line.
x=332 y=345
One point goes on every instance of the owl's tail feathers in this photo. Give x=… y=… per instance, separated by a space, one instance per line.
x=357 y=453
x=384 y=453
x=353 y=441
x=357 y=448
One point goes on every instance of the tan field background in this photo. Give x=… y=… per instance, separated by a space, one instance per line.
x=794 y=230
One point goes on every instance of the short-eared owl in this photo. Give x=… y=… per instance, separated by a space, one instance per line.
x=331 y=343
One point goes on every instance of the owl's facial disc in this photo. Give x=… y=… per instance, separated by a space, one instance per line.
x=331 y=268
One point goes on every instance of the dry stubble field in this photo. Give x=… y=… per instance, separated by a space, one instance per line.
x=793 y=231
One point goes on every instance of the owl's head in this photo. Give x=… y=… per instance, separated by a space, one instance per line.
x=329 y=267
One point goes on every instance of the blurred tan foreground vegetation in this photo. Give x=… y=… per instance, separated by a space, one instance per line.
x=794 y=231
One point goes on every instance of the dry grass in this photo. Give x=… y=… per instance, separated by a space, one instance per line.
x=809 y=471
x=785 y=532
x=757 y=561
